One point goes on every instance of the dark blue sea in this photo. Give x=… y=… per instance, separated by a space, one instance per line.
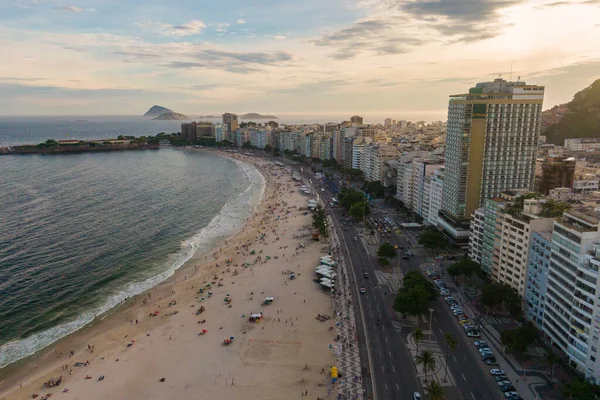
x=80 y=233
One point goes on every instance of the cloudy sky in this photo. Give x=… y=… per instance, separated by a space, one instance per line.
x=306 y=57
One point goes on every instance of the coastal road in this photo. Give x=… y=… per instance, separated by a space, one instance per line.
x=388 y=346
x=393 y=371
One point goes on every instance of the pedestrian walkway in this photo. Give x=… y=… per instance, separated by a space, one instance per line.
x=439 y=373
x=346 y=348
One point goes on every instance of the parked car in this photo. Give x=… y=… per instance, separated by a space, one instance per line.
x=491 y=362
x=355 y=239
x=501 y=378
x=457 y=312
x=449 y=299
x=444 y=292
x=439 y=258
x=496 y=371
x=480 y=343
x=408 y=253
x=404 y=257
x=510 y=394
x=473 y=333
x=464 y=321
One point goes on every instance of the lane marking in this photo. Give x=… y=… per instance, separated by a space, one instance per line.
x=397 y=387
x=386 y=388
x=394 y=370
x=463 y=375
x=382 y=370
x=455 y=360
x=390 y=353
x=385 y=337
x=473 y=396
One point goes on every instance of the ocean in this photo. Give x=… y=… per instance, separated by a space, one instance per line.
x=80 y=233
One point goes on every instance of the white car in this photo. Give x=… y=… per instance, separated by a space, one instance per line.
x=510 y=394
x=416 y=396
x=439 y=257
x=496 y=371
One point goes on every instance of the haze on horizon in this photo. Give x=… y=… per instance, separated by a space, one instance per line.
x=85 y=57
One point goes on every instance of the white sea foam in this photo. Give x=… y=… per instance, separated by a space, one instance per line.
x=227 y=222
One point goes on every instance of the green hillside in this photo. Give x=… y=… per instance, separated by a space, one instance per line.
x=582 y=119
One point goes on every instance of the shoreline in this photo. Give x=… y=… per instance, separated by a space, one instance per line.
x=101 y=316
x=31 y=370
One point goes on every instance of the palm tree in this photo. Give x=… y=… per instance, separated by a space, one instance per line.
x=552 y=359
x=434 y=391
x=451 y=344
x=427 y=360
x=418 y=335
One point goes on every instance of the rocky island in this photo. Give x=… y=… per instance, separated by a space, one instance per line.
x=257 y=116
x=171 y=116
x=156 y=111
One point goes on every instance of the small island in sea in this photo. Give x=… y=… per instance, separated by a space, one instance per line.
x=156 y=111
x=257 y=116
x=171 y=116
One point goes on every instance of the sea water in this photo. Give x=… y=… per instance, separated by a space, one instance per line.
x=81 y=233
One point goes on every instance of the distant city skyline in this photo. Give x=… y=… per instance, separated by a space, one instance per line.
x=340 y=57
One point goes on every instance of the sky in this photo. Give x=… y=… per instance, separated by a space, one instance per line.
x=399 y=58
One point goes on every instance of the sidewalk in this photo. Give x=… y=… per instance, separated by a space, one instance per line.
x=430 y=345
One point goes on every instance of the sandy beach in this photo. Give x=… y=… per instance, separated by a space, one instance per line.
x=152 y=347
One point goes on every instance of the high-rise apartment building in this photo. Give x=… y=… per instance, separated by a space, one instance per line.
x=205 y=130
x=572 y=309
x=231 y=122
x=356 y=119
x=491 y=144
x=538 y=267
x=188 y=131
x=557 y=172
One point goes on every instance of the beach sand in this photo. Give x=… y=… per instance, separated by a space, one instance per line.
x=283 y=356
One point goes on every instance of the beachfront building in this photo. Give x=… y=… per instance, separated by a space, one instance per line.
x=205 y=130
x=538 y=268
x=258 y=139
x=375 y=155
x=188 y=131
x=230 y=121
x=432 y=196
x=358 y=152
x=348 y=152
x=491 y=145
x=501 y=234
x=572 y=309
x=220 y=133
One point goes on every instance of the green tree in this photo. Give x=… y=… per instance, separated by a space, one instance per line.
x=553 y=208
x=413 y=279
x=418 y=335
x=434 y=391
x=518 y=339
x=386 y=250
x=432 y=240
x=320 y=220
x=427 y=362
x=349 y=197
x=451 y=344
x=412 y=301
x=375 y=189
x=578 y=389
x=359 y=210
x=464 y=267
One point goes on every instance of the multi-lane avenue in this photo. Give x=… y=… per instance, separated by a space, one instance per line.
x=392 y=370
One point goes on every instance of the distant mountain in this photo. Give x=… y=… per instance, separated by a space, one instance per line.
x=257 y=116
x=581 y=118
x=171 y=116
x=155 y=111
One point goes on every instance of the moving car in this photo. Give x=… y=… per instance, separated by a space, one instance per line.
x=355 y=239
x=363 y=290
x=439 y=258
x=408 y=253
x=416 y=396
x=366 y=275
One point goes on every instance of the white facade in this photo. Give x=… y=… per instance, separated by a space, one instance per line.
x=258 y=139
x=375 y=156
x=434 y=197
x=582 y=144
x=586 y=185
x=572 y=311
x=220 y=132
x=476 y=235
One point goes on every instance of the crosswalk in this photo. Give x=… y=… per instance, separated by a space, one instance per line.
x=496 y=320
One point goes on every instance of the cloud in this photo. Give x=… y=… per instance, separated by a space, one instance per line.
x=74 y=48
x=241 y=21
x=379 y=36
x=570 y=3
x=469 y=20
x=68 y=8
x=222 y=28
x=232 y=61
x=191 y=28
x=312 y=87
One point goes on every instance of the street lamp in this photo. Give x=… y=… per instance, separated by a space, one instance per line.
x=430 y=318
